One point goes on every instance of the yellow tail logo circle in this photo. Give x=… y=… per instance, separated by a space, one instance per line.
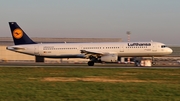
x=17 y=33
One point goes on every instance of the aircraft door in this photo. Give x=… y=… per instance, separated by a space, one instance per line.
x=121 y=48
x=80 y=47
x=154 y=47
x=36 y=50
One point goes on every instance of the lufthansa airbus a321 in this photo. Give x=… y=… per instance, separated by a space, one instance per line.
x=95 y=52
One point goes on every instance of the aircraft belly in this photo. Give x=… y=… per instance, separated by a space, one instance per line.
x=142 y=54
x=66 y=56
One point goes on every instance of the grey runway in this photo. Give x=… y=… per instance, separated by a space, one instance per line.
x=71 y=65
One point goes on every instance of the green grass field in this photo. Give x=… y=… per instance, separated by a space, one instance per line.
x=89 y=84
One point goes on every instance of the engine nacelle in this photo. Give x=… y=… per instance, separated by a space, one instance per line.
x=109 y=58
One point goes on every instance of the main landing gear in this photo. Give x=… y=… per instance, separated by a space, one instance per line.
x=91 y=63
x=92 y=60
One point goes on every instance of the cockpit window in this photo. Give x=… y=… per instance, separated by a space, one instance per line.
x=163 y=46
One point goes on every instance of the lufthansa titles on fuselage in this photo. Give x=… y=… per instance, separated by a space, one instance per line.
x=48 y=47
x=139 y=44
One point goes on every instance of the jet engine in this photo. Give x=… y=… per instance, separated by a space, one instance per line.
x=109 y=58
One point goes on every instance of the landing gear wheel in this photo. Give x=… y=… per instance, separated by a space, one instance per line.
x=137 y=63
x=153 y=63
x=90 y=63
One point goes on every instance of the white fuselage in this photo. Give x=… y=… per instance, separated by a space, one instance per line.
x=73 y=50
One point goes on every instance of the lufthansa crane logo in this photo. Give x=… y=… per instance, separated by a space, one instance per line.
x=17 y=33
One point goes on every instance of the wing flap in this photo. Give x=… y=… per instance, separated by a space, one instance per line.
x=96 y=53
x=91 y=52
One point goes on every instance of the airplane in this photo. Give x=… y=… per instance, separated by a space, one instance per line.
x=95 y=52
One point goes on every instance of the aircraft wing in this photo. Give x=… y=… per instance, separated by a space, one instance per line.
x=91 y=52
x=95 y=53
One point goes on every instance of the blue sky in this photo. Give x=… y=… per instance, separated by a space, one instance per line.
x=157 y=20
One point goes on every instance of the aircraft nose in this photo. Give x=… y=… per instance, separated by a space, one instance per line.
x=169 y=50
